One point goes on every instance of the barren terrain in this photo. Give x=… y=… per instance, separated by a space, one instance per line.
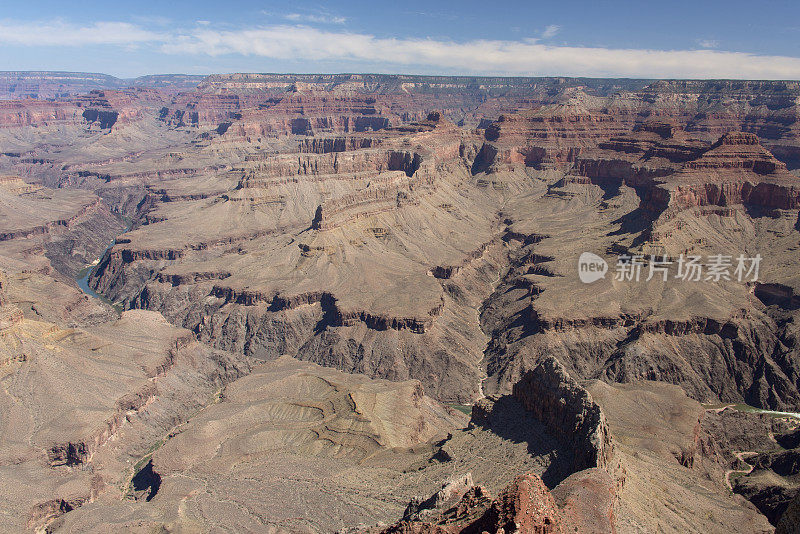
x=307 y=280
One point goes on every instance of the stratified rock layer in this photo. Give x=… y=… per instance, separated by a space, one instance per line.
x=568 y=410
x=424 y=230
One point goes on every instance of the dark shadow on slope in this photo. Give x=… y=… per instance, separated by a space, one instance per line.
x=634 y=222
x=610 y=188
x=510 y=420
x=777 y=295
x=330 y=314
x=146 y=481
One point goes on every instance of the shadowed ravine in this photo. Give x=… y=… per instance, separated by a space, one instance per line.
x=351 y=303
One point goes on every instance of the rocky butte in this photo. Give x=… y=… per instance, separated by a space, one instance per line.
x=350 y=303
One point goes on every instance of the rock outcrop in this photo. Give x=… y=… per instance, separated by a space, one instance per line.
x=771 y=485
x=525 y=505
x=551 y=137
x=568 y=411
x=419 y=234
x=790 y=521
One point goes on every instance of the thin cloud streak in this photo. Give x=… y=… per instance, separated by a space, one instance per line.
x=526 y=57
x=320 y=19
x=708 y=43
x=496 y=57
x=60 y=33
x=551 y=31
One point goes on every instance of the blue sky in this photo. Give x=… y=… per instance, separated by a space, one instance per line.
x=697 y=39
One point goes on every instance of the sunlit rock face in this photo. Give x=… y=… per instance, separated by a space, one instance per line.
x=306 y=280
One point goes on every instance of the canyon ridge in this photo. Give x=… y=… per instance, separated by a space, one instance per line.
x=353 y=303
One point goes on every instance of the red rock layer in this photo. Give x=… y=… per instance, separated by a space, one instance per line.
x=36 y=112
x=549 y=137
x=525 y=505
x=97 y=108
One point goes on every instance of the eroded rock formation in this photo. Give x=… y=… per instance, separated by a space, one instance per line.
x=421 y=230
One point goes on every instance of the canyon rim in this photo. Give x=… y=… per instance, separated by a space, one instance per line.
x=501 y=297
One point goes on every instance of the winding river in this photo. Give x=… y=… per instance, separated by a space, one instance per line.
x=82 y=278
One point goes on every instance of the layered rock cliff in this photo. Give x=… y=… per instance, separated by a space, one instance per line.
x=567 y=410
x=365 y=223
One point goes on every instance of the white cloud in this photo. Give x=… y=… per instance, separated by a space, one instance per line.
x=708 y=43
x=551 y=31
x=59 y=33
x=156 y=20
x=321 y=18
x=525 y=57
